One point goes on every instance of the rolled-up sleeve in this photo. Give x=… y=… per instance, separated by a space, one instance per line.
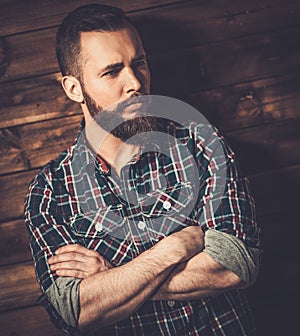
x=48 y=232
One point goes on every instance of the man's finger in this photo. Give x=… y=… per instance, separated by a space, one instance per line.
x=67 y=256
x=70 y=265
x=71 y=273
x=72 y=248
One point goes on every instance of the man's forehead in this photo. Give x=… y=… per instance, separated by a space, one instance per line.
x=110 y=41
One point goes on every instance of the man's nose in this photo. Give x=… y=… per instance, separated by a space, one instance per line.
x=133 y=82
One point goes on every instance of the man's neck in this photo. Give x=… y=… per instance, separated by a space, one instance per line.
x=111 y=149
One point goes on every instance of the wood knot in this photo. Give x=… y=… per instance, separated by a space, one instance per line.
x=4 y=59
x=249 y=105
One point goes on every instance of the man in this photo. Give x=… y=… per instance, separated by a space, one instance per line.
x=118 y=248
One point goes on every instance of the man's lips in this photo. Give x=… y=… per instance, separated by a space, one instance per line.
x=133 y=107
x=133 y=100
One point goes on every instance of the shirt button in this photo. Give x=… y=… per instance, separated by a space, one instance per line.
x=99 y=226
x=167 y=205
x=171 y=303
x=141 y=225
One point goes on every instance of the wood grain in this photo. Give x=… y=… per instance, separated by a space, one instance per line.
x=34 y=99
x=19 y=287
x=14 y=243
x=19 y=16
x=34 y=145
x=31 y=321
x=13 y=190
x=249 y=104
x=226 y=63
x=201 y=22
x=15 y=14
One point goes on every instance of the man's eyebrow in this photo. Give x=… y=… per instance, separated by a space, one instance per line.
x=115 y=66
x=110 y=67
x=141 y=57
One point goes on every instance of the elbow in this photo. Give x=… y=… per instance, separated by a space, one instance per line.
x=86 y=322
x=233 y=281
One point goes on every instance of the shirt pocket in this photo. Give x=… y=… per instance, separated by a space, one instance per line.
x=169 y=209
x=97 y=224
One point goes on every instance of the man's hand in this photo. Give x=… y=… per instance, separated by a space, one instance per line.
x=184 y=244
x=77 y=261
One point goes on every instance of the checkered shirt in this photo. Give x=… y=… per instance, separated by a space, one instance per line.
x=192 y=178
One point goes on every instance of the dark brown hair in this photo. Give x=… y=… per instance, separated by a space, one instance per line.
x=88 y=18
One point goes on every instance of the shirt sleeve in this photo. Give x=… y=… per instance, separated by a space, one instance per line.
x=233 y=254
x=64 y=296
x=225 y=203
x=47 y=232
x=226 y=209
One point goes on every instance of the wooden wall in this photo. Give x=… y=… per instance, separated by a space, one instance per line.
x=237 y=61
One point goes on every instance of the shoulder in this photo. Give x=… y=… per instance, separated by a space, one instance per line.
x=52 y=170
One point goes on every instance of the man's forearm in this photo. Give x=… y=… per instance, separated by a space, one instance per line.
x=115 y=294
x=226 y=263
x=199 y=277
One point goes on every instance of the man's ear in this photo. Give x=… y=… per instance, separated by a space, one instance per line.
x=72 y=88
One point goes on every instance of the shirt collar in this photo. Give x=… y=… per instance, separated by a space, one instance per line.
x=88 y=156
x=86 y=153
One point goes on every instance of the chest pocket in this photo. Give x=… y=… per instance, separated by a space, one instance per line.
x=97 y=224
x=169 y=209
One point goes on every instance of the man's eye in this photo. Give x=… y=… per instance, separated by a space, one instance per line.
x=139 y=64
x=111 y=73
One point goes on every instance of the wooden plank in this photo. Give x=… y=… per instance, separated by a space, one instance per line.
x=34 y=145
x=14 y=243
x=13 y=191
x=19 y=287
x=31 y=321
x=19 y=16
x=249 y=104
x=33 y=100
x=267 y=147
x=226 y=63
x=199 y=22
x=33 y=53
x=30 y=54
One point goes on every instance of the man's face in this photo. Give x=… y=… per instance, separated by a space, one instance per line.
x=114 y=68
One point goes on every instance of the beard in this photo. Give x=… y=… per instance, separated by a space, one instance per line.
x=132 y=131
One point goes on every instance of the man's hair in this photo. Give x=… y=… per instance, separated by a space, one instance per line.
x=88 y=18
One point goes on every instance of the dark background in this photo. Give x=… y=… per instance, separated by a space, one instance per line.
x=238 y=62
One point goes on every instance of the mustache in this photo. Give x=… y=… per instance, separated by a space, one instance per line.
x=137 y=98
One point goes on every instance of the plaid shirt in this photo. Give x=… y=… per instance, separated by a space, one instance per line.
x=78 y=199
